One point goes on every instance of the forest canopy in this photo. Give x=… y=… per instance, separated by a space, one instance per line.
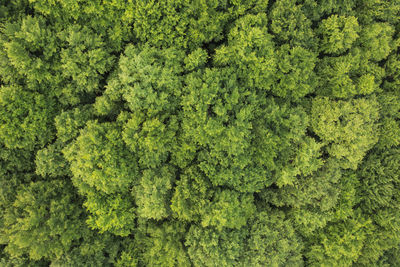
x=200 y=133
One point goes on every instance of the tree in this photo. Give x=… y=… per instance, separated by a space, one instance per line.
x=341 y=243
x=377 y=41
x=228 y=209
x=295 y=76
x=250 y=50
x=380 y=180
x=388 y=122
x=272 y=241
x=29 y=54
x=210 y=247
x=10 y=11
x=199 y=133
x=217 y=121
x=290 y=25
x=110 y=19
x=338 y=33
x=104 y=171
x=84 y=59
x=153 y=193
x=348 y=76
x=392 y=68
x=311 y=198
x=162 y=243
x=317 y=10
x=192 y=194
x=348 y=128
x=43 y=222
x=26 y=118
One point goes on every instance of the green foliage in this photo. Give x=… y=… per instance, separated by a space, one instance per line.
x=391 y=257
x=210 y=247
x=50 y=162
x=68 y=123
x=389 y=121
x=228 y=209
x=348 y=128
x=341 y=244
x=250 y=50
x=104 y=170
x=294 y=153
x=392 y=68
x=11 y=10
x=111 y=19
x=272 y=241
x=179 y=23
x=83 y=61
x=380 y=181
x=311 y=198
x=114 y=213
x=347 y=76
x=217 y=119
x=376 y=10
x=162 y=244
x=191 y=196
x=153 y=192
x=376 y=40
x=99 y=159
x=93 y=249
x=317 y=10
x=290 y=25
x=296 y=76
x=7 y=261
x=15 y=160
x=26 y=118
x=43 y=221
x=29 y=53
x=338 y=33
x=199 y=133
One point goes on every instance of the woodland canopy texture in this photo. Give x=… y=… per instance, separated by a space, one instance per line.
x=200 y=133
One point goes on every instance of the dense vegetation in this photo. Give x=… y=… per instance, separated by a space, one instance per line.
x=200 y=133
